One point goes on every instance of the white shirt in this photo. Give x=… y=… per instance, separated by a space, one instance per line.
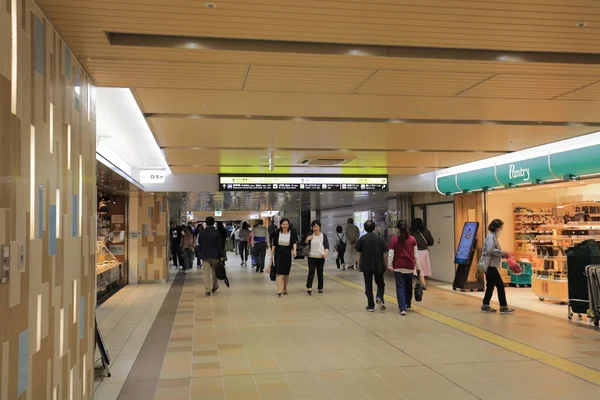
x=284 y=239
x=316 y=247
x=236 y=234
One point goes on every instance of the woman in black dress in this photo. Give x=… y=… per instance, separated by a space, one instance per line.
x=282 y=254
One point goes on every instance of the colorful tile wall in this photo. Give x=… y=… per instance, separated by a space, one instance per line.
x=47 y=212
x=148 y=253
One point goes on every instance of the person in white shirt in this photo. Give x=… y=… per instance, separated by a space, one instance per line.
x=236 y=239
x=319 y=248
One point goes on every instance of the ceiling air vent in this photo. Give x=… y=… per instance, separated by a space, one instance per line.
x=324 y=162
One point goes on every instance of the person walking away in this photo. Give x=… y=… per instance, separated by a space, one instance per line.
x=319 y=248
x=403 y=258
x=236 y=240
x=175 y=238
x=260 y=241
x=283 y=252
x=199 y=228
x=244 y=235
x=340 y=248
x=372 y=254
x=492 y=249
x=272 y=230
x=352 y=236
x=223 y=233
x=424 y=241
x=210 y=253
x=188 y=246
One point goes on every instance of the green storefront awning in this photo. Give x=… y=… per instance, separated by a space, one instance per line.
x=551 y=167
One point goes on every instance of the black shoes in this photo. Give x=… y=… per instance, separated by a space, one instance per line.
x=309 y=292
x=369 y=309
x=381 y=304
x=487 y=309
x=207 y=294
x=506 y=310
x=215 y=289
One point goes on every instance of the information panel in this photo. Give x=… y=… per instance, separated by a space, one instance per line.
x=303 y=183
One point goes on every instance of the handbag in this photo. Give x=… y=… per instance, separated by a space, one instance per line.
x=418 y=288
x=306 y=250
x=484 y=263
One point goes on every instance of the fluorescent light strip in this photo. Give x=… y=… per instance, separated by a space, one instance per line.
x=75 y=300
x=32 y=183
x=61 y=336
x=14 y=56
x=84 y=374
x=38 y=326
x=71 y=384
x=80 y=197
x=68 y=146
x=89 y=101
x=51 y=127
x=58 y=213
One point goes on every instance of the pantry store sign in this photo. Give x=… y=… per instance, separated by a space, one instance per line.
x=556 y=164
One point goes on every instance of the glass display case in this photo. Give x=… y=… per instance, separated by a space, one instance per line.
x=108 y=268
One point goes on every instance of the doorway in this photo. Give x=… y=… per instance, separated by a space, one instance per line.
x=440 y=220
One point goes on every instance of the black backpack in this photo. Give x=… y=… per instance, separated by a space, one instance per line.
x=340 y=247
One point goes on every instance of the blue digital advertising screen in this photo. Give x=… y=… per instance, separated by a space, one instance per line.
x=466 y=243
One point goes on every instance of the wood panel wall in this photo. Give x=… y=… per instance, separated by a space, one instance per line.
x=148 y=250
x=47 y=212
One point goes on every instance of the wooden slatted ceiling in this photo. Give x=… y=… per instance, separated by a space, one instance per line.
x=185 y=133
x=160 y=74
x=303 y=79
x=529 y=86
x=241 y=157
x=420 y=83
x=588 y=93
x=486 y=24
x=181 y=101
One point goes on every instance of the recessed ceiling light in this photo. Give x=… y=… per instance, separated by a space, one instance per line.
x=581 y=24
x=210 y=5
x=248 y=116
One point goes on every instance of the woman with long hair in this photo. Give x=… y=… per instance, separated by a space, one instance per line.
x=283 y=252
x=403 y=259
x=188 y=245
x=243 y=244
x=424 y=241
x=319 y=248
x=492 y=250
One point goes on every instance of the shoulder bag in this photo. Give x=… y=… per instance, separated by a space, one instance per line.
x=484 y=262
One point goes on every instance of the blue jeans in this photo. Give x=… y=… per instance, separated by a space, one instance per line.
x=404 y=287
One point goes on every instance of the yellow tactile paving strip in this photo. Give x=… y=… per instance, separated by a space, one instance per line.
x=570 y=367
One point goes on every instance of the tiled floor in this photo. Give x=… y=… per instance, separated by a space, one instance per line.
x=525 y=299
x=246 y=343
x=124 y=321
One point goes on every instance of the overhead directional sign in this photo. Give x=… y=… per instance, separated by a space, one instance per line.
x=303 y=182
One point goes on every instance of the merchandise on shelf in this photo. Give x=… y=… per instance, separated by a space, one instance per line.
x=107 y=266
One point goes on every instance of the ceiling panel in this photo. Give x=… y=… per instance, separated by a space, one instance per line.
x=211 y=133
x=160 y=74
x=260 y=169
x=586 y=93
x=526 y=25
x=302 y=79
x=529 y=86
x=181 y=101
x=420 y=83
x=248 y=158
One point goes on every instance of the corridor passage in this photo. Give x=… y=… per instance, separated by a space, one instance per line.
x=245 y=343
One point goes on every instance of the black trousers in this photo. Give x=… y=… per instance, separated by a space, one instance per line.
x=243 y=249
x=176 y=255
x=315 y=265
x=339 y=260
x=493 y=279
x=261 y=253
x=379 y=281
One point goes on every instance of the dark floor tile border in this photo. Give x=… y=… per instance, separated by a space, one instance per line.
x=144 y=375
